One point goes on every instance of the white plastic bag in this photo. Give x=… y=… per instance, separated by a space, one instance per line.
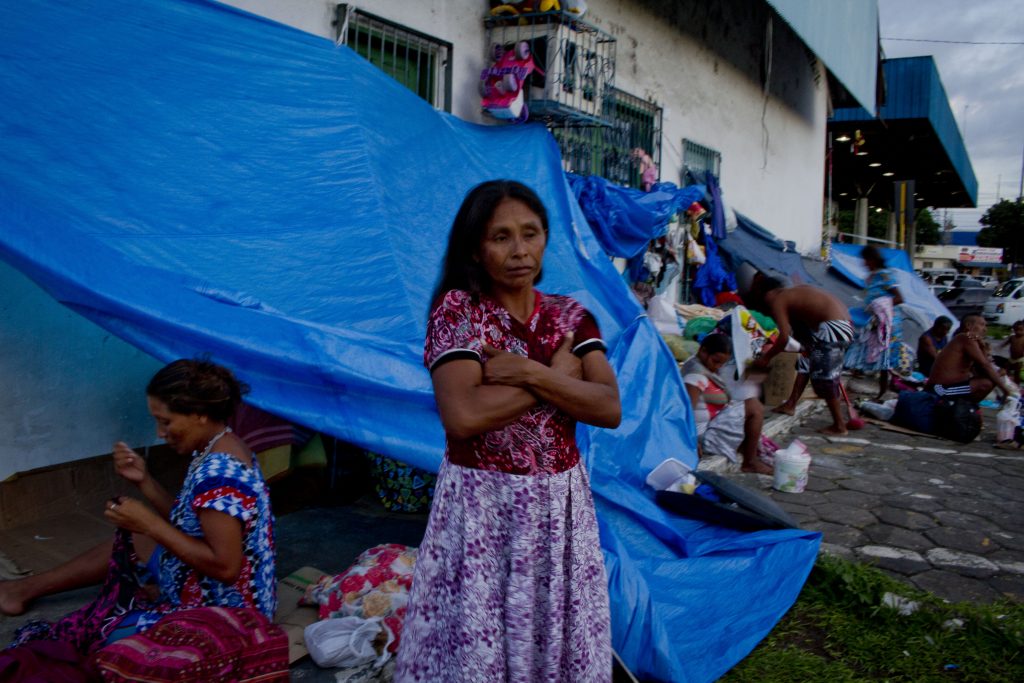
x=880 y=411
x=663 y=314
x=346 y=642
x=1007 y=419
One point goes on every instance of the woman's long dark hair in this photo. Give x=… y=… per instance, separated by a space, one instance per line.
x=873 y=254
x=461 y=269
x=198 y=387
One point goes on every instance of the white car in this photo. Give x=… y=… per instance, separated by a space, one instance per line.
x=988 y=280
x=1007 y=303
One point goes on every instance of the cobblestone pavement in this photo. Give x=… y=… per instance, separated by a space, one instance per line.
x=944 y=517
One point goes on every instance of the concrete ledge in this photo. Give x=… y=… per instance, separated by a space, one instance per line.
x=779 y=424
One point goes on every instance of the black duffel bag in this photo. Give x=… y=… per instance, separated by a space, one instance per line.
x=957 y=418
x=916 y=410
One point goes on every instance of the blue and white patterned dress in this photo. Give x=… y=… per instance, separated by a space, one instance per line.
x=879 y=344
x=220 y=482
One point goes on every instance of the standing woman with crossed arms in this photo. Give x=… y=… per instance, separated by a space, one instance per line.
x=510 y=583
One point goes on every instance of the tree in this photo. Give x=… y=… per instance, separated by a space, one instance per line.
x=1004 y=225
x=878 y=223
x=948 y=224
x=927 y=231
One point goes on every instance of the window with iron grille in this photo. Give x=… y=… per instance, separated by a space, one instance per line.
x=698 y=158
x=418 y=61
x=608 y=150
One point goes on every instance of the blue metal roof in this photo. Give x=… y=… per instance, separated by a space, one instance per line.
x=914 y=91
x=963 y=238
x=844 y=35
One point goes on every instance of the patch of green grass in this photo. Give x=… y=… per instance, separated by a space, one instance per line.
x=839 y=631
x=998 y=331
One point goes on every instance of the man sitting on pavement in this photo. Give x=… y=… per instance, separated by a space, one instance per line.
x=959 y=368
x=931 y=342
x=821 y=324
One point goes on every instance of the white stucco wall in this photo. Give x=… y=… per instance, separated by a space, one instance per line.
x=70 y=389
x=772 y=170
x=700 y=60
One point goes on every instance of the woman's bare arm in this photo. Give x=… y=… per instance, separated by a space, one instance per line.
x=592 y=399
x=216 y=554
x=468 y=406
x=928 y=346
x=132 y=466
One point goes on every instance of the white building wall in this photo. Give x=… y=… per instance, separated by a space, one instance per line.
x=772 y=152
x=70 y=388
x=701 y=60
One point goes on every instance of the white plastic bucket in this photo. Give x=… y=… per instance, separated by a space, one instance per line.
x=791 y=467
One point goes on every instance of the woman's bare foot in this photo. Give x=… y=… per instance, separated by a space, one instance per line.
x=12 y=601
x=784 y=409
x=833 y=430
x=756 y=467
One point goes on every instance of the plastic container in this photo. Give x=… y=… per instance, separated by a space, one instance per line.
x=792 y=465
x=881 y=411
x=1008 y=419
x=671 y=475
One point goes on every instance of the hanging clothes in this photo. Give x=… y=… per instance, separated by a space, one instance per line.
x=712 y=277
x=717 y=207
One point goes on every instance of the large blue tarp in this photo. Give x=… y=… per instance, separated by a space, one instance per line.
x=195 y=179
x=624 y=220
x=758 y=246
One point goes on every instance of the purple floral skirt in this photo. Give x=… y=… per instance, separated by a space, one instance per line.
x=509 y=584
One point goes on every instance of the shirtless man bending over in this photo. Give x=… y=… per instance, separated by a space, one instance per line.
x=821 y=323
x=959 y=367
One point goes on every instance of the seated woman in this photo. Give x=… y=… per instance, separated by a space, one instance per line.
x=725 y=424
x=212 y=545
x=933 y=340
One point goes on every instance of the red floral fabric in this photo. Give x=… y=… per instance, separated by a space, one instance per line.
x=376 y=585
x=542 y=440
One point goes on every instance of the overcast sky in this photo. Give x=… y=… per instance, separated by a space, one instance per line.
x=984 y=83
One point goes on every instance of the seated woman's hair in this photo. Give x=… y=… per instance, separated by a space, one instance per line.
x=198 y=387
x=716 y=343
x=461 y=269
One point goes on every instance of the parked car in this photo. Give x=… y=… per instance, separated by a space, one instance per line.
x=930 y=275
x=988 y=280
x=966 y=296
x=1007 y=303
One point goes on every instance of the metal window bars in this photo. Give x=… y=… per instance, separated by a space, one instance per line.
x=697 y=158
x=575 y=60
x=418 y=61
x=609 y=150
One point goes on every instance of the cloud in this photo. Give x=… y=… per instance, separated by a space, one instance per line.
x=984 y=83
